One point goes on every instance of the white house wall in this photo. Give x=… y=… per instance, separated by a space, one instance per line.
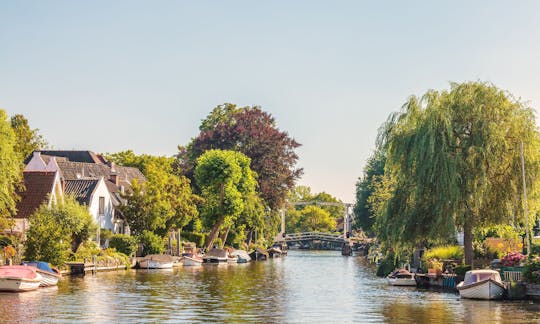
x=106 y=220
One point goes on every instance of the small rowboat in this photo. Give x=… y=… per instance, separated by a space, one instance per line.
x=401 y=277
x=156 y=261
x=50 y=276
x=19 y=278
x=482 y=284
x=192 y=260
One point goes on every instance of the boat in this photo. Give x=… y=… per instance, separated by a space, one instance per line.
x=215 y=256
x=401 y=277
x=482 y=284
x=156 y=261
x=19 y=278
x=274 y=252
x=241 y=256
x=259 y=255
x=50 y=276
x=191 y=260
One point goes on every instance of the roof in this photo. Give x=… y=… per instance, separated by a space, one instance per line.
x=38 y=184
x=79 y=170
x=73 y=156
x=80 y=189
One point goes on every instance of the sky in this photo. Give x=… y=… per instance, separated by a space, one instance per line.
x=109 y=76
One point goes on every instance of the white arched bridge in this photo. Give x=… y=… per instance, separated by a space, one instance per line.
x=313 y=236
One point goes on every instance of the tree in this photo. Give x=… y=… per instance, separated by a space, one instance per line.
x=226 y=181
x=27 y=140
x=10 y=171
x=253 y=132
x=453 y=161
x=365 y=187
x=314 y=219
x=57 y=230
x=164 y=202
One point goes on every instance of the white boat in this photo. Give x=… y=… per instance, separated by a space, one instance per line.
x=19 y=278
x=156 y=261
x=401 y=277
x=482 y=284
x=193 y=260
x=50 y=276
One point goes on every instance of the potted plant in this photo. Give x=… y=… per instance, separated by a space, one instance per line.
x=435 y=267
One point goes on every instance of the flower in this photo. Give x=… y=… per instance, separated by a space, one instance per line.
x=512 y=259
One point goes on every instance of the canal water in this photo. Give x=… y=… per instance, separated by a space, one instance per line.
x=304 y=287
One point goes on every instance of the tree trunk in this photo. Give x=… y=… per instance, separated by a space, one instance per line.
x=213 y=235
x=467 y=241
x=249 y=236
x=224 y=236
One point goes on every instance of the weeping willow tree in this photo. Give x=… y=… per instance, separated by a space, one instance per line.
x=453 y=162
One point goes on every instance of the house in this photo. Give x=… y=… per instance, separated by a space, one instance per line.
x=92 y=180
x=40 y=187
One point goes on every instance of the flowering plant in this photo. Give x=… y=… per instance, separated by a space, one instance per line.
x=512 y=259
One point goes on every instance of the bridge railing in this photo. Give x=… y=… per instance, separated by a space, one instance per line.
x=314 y=235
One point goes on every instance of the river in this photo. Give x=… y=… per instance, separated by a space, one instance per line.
x=304 y=287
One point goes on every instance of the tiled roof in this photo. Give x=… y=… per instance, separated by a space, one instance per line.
x=38 y=186
x=74 y=156
x=78 y=170
x=80 y=189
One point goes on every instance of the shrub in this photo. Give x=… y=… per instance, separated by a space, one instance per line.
x=512 y=259
x=5 y=241
x=461 y=269
x=152 y=243
x=104 y=235
x=123 y=243
x=450 y=252
x=531 y=272
x=387 y=265
x=197 y=238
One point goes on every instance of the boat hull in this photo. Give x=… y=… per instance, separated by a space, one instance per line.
x=192 y=262
x=401 y=281
x=487 y=289
x=47 y=278
x=214 y=261
x=153 y=264
x=14 y=284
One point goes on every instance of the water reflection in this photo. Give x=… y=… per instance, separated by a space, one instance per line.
x=317 y=287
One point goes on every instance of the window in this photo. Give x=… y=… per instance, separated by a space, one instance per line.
x=101 y=206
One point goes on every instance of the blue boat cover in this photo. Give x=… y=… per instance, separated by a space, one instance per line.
x=39 y=264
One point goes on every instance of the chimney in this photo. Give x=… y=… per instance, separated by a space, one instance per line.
x=113 y=176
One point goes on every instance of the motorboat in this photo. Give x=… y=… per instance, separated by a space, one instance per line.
x=401 y=277
x=215 y=256
x=156 y=261
x=482 y=284
x=50 y=276
x=19 y=278
x=274 y=252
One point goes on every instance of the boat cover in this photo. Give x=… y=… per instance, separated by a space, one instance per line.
x=18 y=272
x=40 y=265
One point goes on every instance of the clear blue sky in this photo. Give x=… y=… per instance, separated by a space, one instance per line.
x=116 y=75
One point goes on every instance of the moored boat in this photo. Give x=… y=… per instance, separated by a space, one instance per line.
x=482 y=284
x=192 y=260
x=19 y=278
x=274 y=251
x=401 y=277
x=259 y=255
x=215 y=256
x=50 y=276
x=156 y=261
x=241 y=256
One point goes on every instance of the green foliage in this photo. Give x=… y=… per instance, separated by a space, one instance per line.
x=311 y=219
x=227 y=183
x=10 y=171
x=90 y=251
x=5 y=241
x=387 y=265
x=57 y=231
x=152 y=243
x=532 y=271
x=27 y=140
x=453 y=161
x=460 y=270
x=449 y=252
x=164 y=202
x=365 y=188
x=502 y=231
x=104 y=235
x=197 y=238
x=123 y=243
